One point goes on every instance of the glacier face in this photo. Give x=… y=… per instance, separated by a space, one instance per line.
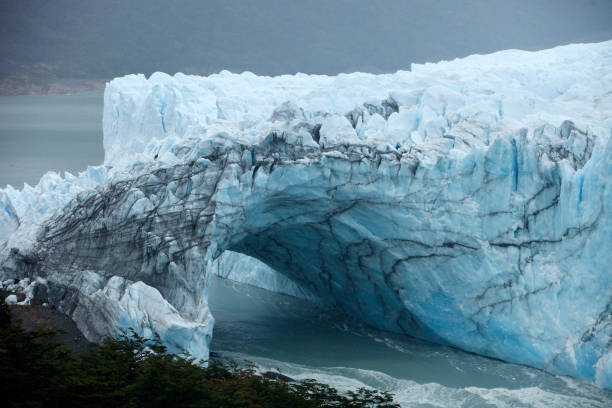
x=464 y=202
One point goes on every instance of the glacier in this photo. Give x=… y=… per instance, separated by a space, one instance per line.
x=464 y=202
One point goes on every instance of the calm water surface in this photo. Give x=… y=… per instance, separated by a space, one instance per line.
x=42 y=133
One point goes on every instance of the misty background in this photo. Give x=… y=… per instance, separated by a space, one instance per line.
x=56 y=40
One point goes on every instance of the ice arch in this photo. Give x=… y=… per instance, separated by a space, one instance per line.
x=453 y=202
x=495 y=251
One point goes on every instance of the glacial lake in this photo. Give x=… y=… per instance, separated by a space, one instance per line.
x=42 y=133
x=279 y=333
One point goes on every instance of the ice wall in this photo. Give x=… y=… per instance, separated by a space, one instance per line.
x=464 y=202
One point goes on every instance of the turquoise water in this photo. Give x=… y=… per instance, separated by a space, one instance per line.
x=300 y=340
x=42 y=133
x=279 y=333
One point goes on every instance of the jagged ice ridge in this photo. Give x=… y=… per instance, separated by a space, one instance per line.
x=464 y=202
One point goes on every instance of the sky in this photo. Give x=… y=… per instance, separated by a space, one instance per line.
x=103 y=39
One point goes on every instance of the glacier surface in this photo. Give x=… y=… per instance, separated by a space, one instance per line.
x=464 y=202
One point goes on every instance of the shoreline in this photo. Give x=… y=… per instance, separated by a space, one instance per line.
x=12 y=86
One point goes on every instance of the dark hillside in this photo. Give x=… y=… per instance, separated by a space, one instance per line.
x=44 y=41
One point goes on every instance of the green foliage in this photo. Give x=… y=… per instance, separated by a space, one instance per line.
x=32 y=367
x=135 y=372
